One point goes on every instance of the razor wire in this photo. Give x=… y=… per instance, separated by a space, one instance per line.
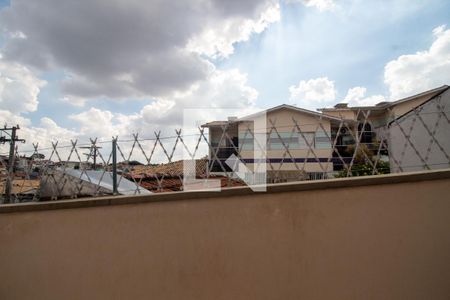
x=327 y=148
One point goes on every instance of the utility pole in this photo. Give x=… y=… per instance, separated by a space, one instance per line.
x=93 y=152
x=12 y=146
x=114 y=165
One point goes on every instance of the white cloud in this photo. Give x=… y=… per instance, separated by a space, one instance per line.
x=161 y=52
x=357 y=97
x=223 y=90
x=48 y=131
x=321 y=92
x=223 y=94
x=157 y=110
x=159 y=48
x=321 y=5
x=217 y=40
x=415 y=73
x=313 y=92
x=11 y=119
x=74 y=100
x=44 y=134
x=19 y=88
x=355 y=93
x=95 y=123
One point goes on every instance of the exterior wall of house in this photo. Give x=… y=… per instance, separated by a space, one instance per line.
x=387 y=115
x=215 y=134
x=319 y=159
x=403 y=107
x=422 y=141
x=222 y=145
x=341 y=113
x=305 y=158
x=380 y=118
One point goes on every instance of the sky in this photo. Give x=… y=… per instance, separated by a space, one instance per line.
x=102 y=68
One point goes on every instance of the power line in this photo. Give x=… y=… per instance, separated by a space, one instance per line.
x=12 y=147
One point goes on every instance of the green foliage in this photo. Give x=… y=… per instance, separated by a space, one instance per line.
x=364 y=162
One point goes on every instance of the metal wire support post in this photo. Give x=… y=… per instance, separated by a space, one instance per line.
x=12 y=146
x=114 y=165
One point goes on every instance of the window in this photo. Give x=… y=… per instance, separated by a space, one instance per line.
x=365 y=132
x=292 y=141
x=306 y=139
x=347 y=140
x=322 y=140
x=246 y=141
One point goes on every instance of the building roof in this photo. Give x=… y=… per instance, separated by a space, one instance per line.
x=21 y=186
x=294 y=108
x=169 y=177
x=420 y=105
x=172 y=169
x=105 y=180
x=216 y=123
x=387 y=104
x=279 y=107
x=430 y=93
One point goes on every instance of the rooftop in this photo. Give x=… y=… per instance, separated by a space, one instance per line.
x=279 y=107
x=386 y=104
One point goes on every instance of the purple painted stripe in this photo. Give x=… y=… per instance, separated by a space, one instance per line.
x=334 y=160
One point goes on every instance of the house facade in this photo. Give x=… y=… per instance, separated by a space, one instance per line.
x=302 y=144
x=412 y=130
x=299 y=143
x=420 y=138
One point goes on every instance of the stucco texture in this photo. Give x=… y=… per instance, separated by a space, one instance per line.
x=388 y=241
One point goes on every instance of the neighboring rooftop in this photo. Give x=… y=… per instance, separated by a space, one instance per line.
x=169 y=177
x=172 y=169
x=21 y=186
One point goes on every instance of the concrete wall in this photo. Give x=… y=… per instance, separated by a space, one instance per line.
x=384 y=237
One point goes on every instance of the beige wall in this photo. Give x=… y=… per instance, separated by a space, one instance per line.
x=406 y=106
x=341 y=113
x=429 y=152
x=379 y=118
x=288 y=165
x=282 y=119
x=387 y=241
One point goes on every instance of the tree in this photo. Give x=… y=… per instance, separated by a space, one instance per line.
x=365 y=161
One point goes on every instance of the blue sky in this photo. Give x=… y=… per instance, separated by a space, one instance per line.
x=350 y=47
x=311 y=53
